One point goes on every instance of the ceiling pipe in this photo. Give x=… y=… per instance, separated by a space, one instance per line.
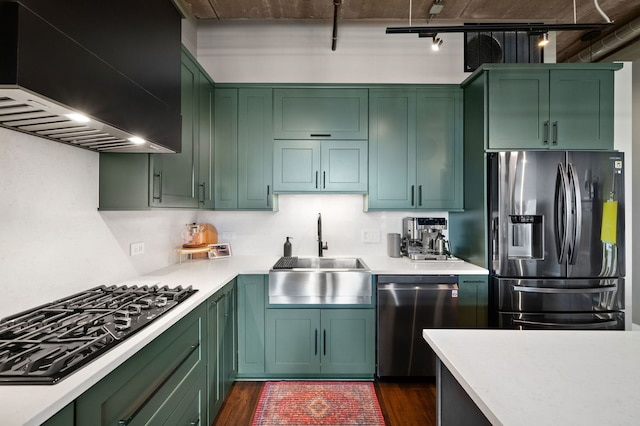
x=606 y=45
x=334 y=39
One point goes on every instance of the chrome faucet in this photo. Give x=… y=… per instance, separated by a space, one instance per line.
x=321 y=246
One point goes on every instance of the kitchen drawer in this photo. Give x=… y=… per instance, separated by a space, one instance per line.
x=143 y=386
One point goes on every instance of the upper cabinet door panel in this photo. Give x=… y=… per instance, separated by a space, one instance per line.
x=581 y=109
x=320 y=113
x=344 y=166
x=519 y=109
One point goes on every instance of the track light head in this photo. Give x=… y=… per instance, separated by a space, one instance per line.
x=544 y=40
x=436 y=43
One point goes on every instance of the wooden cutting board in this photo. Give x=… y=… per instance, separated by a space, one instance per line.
x=209 y=236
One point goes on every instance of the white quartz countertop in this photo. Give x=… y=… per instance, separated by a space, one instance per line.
x=33 y=404
x=541 y=377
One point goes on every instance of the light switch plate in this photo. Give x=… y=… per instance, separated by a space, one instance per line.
x=136 y=248
x=370 y=236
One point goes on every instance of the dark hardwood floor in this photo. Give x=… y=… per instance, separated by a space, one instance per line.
x=402 y=403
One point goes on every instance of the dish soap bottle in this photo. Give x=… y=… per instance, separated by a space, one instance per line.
x=287 y=248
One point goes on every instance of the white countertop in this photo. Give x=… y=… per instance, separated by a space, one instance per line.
x=541 y=377
x=33 y=404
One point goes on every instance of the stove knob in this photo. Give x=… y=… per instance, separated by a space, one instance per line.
x=121 y=320
x=134 y=309
x=161 y=301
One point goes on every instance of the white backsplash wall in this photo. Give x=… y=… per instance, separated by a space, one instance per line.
x=343 y=222
x=53 y=240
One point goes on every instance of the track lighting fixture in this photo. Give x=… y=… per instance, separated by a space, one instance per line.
x=544 y=40
x=436 y=43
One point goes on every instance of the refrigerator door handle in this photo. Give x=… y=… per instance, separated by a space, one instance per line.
x=550 y=290
x=562 y=218
x=576 y=213
x=567 y=326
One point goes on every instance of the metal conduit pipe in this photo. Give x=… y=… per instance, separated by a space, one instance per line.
x=334 y=39
x=609 y=43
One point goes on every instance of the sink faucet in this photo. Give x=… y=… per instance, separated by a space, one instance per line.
x=321 y=246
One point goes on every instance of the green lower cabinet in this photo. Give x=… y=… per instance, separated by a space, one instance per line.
x=473 y=299
x=320 y=342
x=162 y=383
x=63 y=417
x=222 y=364
x=251 y=317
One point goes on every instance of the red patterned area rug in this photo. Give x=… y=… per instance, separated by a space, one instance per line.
x=318 y=403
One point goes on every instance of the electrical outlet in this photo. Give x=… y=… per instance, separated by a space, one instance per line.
x=370 y=236
x=136 y=248
x=228 y=236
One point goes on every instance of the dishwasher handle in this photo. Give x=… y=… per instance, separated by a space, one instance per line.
x=414 y=287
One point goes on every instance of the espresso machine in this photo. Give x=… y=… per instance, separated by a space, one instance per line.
x=422 y=238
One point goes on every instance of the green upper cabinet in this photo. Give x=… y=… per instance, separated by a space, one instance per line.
x=415 y=144
x=255 y=148
x=182 y=180
x=244 y=148
x=548 y=106
x=226 y=149
x=320 y=113
x=311 y=166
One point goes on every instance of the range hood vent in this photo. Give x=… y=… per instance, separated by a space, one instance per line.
x=60 y=61
x=30 y=113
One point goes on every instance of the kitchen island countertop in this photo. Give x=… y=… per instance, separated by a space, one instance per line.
x=33 y=404
x=545 y=377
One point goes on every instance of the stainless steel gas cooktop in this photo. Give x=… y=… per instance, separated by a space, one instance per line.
x=45 y=344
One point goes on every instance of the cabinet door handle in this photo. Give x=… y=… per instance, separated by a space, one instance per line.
x=419 y=195
x=545 y=132
x=555 y=133
x=324 y=180
x=135 y=412
x=268 y=195
x=316 y=342
x=204 y=192
x=324 y=342
x=316 y=180
x=320 y=135
x=159 y=197
x=413 y=188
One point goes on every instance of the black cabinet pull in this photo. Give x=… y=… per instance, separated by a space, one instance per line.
x=324 y=180
x=316 y=342
x=413 y=188
x=555 y=133
x=545 y=135
x=268 y=194
x=320 y=135
x=204 y=192
x=324 y=342
x=420 y=195
x=316 y=180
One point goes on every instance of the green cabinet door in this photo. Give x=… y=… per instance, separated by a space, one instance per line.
x=230 y=338
x=518 y=103
x=348 y=341
x=251 y=320
x=173 y=177
x=204 y=183
x=296 y=166
x=550 y=108
x=392 y=148
x=581 y=109
x=343 y=166
x=292 y=343
x=439 y=170
x=323 y=113
x=255 y=148
x=226 y=149
x=473 y=298
x=214 y=381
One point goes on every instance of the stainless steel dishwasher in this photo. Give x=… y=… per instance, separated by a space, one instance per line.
x=407 y=304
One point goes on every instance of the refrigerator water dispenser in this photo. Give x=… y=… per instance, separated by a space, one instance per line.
x=526 y=237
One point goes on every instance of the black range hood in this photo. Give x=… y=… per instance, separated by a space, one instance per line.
x=117 y=63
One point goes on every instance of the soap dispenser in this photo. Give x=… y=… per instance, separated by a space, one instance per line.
x=287 y=248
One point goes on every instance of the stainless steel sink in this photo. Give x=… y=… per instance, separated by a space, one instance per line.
x=321 y=281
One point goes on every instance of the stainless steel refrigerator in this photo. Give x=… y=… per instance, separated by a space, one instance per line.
x=556 y=239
